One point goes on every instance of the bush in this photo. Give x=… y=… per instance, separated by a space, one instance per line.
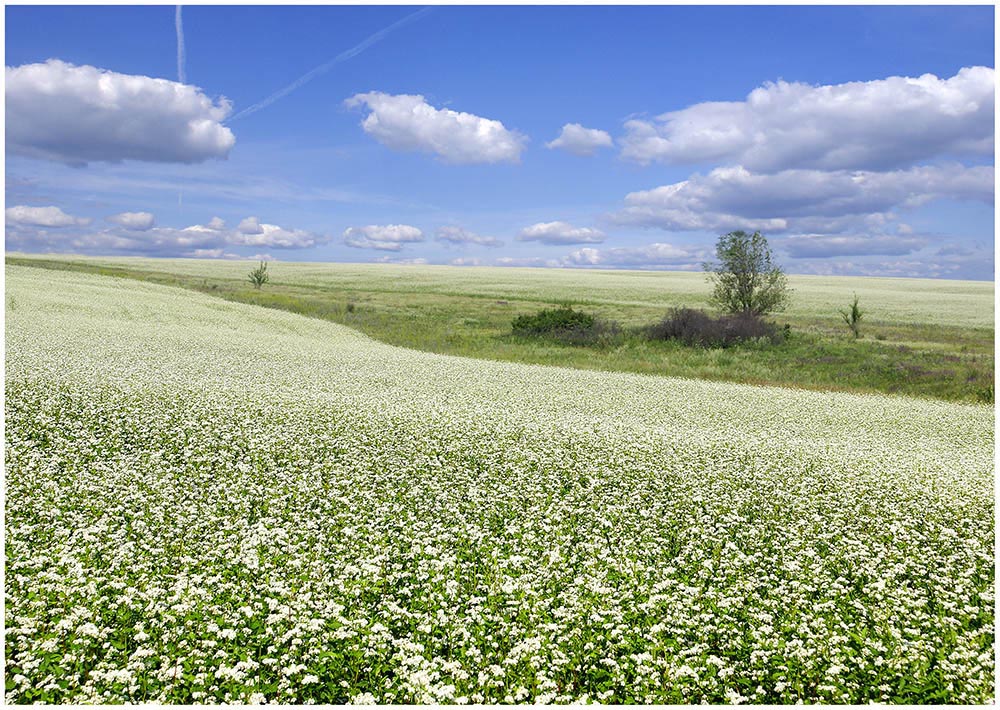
x=852 y=317
x=552 y=320
x=258 y=277
x=566 y=325
x=694 y=327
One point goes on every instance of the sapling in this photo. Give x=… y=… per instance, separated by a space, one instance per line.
x=258 y=277
x=853 y=317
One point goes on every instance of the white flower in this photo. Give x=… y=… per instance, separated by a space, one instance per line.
x=363 y=699
x=734 y=697
x=88 y=629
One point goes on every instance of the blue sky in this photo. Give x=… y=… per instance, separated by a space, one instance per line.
x=858 y=139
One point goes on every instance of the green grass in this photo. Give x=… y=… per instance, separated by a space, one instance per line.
x=921 y=337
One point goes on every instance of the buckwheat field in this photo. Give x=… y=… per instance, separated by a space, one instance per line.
x=213 y=502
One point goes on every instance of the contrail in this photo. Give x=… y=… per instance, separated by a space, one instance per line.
x=322 y=68
x=179 y=26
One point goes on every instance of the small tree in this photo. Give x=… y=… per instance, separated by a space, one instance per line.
x=853 y=317
x=745 y=277
x=258 y=277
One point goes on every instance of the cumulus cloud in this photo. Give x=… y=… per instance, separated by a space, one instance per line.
x=875 y=125
x=656 y=255
x=408 y=123
x=579 y=140
x=79 y=114
x=458 y=235
x=249 y=232
x=806 y=246
x=212 y=254
x=532 y=261
x=799 y=200
x=560 y=233
x=271 y=235
x=215 y=234
x=466 y=261
x=250 y=225
x=386 y=237
x=209 y=240
x=418 y=261
x=42 y=217
x=138 y=221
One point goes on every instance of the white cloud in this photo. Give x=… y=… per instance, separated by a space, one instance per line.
x=874 y=125
x=212 y=254
x=215 y=234
x=212 y=239
x=579 y=140
x=250 y=225
x=42 y=217
x=138 y=221
x=223 y=254
x=458 y=235
x=466 y=261
x=271 y=235
x=386 y=237
x=79 y=114
x=560 y=233
x=656 y=255
x=799 y=200
x=407 y=122
x=531 y=261
x=418 y=261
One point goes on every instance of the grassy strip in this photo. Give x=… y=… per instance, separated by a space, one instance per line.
x=951 y=363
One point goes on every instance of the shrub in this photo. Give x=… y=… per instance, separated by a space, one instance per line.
x=695 y=327
x=258 y=277
x=852 y=317
x=566 y=325
x=552 y=320
x=601 y=333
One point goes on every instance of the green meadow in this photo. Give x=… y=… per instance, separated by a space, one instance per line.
x=922 y=337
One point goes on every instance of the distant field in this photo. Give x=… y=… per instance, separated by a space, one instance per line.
x=965 y=304
x=215 y=502
x=923 y=337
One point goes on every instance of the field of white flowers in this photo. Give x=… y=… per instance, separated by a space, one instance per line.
x=211 y=502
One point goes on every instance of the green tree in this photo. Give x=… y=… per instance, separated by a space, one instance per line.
x=853 y=317
x=745 y=277
x=258 y=277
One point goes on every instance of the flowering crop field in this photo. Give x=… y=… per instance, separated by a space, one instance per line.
x=213 y=502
